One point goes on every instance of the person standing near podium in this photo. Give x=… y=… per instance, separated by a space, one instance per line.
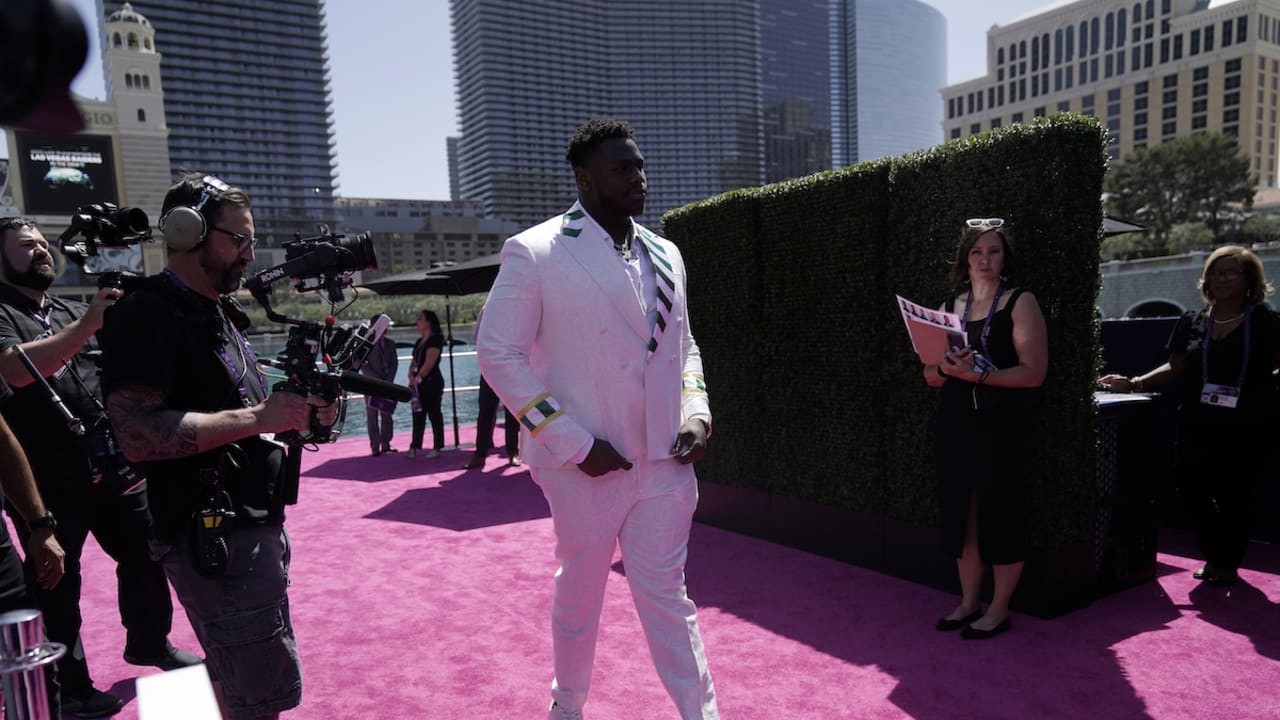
x=1221 y=363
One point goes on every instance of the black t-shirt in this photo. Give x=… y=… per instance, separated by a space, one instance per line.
x=1258 y=398
x=435 y=340
x=173 y=340
x=58 y=456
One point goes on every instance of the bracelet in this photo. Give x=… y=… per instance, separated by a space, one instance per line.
x=983 y=377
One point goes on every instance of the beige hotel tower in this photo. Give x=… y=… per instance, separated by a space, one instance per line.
x=1149 y=70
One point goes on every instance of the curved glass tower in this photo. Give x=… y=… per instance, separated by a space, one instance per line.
x=888 y=63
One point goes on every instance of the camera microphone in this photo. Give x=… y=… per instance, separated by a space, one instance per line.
x=379 y=328
x=365 y=385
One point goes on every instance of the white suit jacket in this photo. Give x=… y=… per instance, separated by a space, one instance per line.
x=565 y=344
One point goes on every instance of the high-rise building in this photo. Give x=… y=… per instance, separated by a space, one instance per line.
x=888 y=62
x=723 y=93
x=795 y=84
x=686 y=75
x=1149 y=71
x=247 y=98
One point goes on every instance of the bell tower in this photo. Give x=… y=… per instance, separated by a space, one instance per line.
x=133 y=85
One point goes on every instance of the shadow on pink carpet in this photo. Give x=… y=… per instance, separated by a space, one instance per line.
x=422 y=592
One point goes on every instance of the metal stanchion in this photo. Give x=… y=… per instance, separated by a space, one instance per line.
x=24 y=657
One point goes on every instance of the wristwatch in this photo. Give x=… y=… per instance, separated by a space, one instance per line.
x=44 y=521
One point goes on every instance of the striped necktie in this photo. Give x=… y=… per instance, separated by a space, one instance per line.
x=663 y=271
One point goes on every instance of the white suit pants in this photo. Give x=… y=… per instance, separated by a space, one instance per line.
x=647 y=511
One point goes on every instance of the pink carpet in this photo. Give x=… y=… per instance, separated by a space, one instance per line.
x=422 y=591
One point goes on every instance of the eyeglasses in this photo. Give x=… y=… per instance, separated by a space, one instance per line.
x=985 y=222
x=247 y=242
x=1225 y=274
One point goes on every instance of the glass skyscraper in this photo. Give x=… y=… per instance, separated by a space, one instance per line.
x=888 y=64
x=247 y=99
x=686 y=75
x=796 y=87
x=723 y=93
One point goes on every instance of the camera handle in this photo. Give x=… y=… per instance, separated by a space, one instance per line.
x=73 y=423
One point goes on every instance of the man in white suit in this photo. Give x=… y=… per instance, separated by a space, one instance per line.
x=586 y=331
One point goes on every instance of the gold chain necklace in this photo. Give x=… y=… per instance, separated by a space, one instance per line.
x=1228 y=320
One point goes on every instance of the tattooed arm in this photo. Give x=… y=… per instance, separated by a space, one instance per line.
x=148 y=429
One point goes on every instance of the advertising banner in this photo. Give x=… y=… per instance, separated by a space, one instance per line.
x=62 y=172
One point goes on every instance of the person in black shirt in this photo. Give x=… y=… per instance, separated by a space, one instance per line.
x=84 y=484
x=46 y=555
x=1221 y=363
x=428 y=385
x=189 y=405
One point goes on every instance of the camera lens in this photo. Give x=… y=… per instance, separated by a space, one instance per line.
x=358 y=253
x=132 y=219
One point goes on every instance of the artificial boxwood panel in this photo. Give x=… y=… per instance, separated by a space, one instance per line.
x=830 y=406
x=821 y=286
x=722 y=257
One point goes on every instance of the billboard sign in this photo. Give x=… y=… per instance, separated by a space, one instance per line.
x=62 y=172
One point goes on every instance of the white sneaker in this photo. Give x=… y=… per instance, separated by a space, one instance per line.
x=558 y=713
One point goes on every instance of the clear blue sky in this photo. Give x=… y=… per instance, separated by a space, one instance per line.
x=392 y=70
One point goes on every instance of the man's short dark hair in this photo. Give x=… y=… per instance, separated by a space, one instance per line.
x=593 y=132
x=14 y=223
x=188 y=190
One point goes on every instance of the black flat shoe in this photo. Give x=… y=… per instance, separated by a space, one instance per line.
x=1219 y=577
x=973 y=633
x=946 y=625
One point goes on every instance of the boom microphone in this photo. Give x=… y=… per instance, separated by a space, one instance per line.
x=365 y=385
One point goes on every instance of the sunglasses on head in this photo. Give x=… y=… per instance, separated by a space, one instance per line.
x=985 y=222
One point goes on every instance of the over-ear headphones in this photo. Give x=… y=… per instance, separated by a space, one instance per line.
x=184 y=226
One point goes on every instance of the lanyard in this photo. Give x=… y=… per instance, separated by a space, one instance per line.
x=45 y=319
x=247 y=358
x=1208 y=335
x=986 y=326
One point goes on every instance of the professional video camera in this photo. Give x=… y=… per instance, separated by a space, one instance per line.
x=324 y=262
x=102 y=225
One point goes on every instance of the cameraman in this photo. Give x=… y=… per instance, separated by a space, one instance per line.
x=189 y=405
x=77 y=475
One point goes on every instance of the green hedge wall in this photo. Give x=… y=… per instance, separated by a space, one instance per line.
x=814 y=387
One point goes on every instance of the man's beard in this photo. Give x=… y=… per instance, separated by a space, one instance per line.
x=34 y=277
x=226 y=279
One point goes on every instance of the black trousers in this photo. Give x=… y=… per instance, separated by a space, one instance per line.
x=1218 y=470
x=430 y=393
x=488 y=417
x=119 y=524
x=15 y=594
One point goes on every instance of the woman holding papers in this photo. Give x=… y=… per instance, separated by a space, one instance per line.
x=1222 y=356
x=984 y=416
